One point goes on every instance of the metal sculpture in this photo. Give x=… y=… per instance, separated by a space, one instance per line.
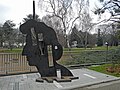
x=39 y=37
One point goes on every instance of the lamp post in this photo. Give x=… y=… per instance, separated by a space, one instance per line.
x=106 y=43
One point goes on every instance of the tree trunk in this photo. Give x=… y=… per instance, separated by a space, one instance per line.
x=1 y=44
x=66 y=41
x=86 y=37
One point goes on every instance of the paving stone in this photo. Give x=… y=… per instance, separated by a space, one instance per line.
x=28 y=81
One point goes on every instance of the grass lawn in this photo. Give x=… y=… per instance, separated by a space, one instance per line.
x=19 y=50
x=15 y=50
x=103 y=69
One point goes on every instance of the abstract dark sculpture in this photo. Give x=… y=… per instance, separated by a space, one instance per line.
x=38 y=38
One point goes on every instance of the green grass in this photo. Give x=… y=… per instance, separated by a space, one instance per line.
x=103 y=69
x=15 y=50
x=76 y=50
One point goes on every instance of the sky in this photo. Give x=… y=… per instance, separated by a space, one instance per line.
x=16 y=10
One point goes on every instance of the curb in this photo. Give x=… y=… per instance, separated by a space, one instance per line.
x=88 y=85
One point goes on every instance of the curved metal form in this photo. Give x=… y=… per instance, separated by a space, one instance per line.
x=38 y=37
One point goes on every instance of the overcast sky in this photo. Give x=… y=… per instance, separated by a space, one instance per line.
x=16 y=10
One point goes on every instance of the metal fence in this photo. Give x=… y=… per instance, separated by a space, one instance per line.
x=85 y=57
x=14 y=63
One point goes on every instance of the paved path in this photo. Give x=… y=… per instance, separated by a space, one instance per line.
x=27 y=81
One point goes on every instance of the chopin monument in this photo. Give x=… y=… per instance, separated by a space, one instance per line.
x=39 y=38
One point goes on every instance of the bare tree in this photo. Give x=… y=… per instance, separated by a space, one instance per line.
x=86 y=26
x=110 y=6
x=55 y=23
x=67 y=11
x=109 y=33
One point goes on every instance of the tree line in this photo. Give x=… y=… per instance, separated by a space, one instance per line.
x=11 y=37
x=72 y=23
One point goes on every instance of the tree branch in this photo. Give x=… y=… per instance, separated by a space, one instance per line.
x=116 y=4
x=69 y=4
x=52 y=6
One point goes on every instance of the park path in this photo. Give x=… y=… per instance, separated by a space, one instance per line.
x=27 y=81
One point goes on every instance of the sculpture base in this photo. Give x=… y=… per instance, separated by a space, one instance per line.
x=51 y=79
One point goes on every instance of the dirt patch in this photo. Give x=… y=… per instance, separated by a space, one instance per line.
x=113 y=69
